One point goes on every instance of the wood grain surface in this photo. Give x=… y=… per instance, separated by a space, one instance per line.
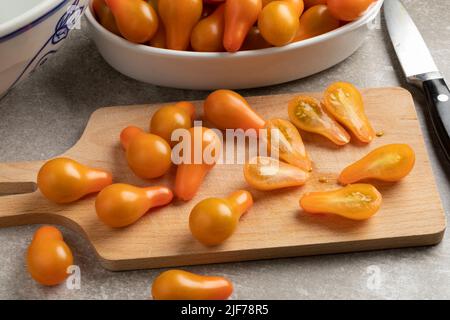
x=411 y=213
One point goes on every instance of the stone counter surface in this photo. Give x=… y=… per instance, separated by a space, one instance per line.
x=46 y=114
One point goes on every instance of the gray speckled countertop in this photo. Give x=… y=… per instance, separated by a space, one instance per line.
x=46 y=114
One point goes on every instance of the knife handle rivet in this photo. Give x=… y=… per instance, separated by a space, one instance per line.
x=443 y=98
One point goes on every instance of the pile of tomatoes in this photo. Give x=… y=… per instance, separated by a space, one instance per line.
x=224 y=25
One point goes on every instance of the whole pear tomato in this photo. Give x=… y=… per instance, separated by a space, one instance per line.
x=255 y=40
x=312 y=3
x=348 y=10
x=207 y=35
x=315 y=21
x=154 y=4
x=227 y=109
x=179 y=18
x=214 y=220
x=204 y=147
x=213 y=1
x=278 y=22
x=148 y=155
x=240 y=16
x=298 y=4
x=136 y=19
x=105 y=16
x=170 y=118
x=120 y=205
x=183 y=285
x=159 y=39
x=64 y=180
x=48 y=257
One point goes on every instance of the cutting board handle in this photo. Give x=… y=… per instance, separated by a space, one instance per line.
x=18 y=178
x=21 y=204
x=20 y=210
x=32 y=208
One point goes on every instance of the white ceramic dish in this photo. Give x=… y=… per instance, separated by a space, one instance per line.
x=30 y=32
x=246 y=69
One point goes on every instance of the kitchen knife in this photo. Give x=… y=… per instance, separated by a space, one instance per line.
x=419 y=68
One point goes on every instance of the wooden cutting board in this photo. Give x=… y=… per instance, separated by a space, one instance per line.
x=411 y=214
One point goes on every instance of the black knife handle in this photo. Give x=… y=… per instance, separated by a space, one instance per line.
x=438 y=98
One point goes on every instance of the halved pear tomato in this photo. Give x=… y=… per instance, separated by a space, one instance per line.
x=263 y=173
x=283 y=137
x=389 y=163
x=308 y=114
x=355 y=202
x=344 y=101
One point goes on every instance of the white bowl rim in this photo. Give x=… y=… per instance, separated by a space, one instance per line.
x=371 y=13
x=29 y=18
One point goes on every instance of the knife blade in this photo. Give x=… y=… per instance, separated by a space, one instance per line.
x=419 y=68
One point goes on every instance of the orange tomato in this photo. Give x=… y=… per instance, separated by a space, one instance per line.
x=312 y=3
x=255 y=41
x=48 y=257
x=307 y=114
x=121 y=205
x=213 y=2
x=208 y=8
x=214 y=220
x=298 y=4
x=348 y=10
x=159 y=39
x=315 y=21
x=240 y=16
x=136 y=19
x=105 y=16
x=192 y=172
x=170 y=118
x=345 y=103
x=288 y=143
x=148 y=155
x=98 y=5
x=389 y=163
x=278 y=22
x=207 y=35
x=63 y=180
x=227 y=109
x=355 y=202
x=183 y=285
x=179 y=18
x=154 y=4
x=265 y=174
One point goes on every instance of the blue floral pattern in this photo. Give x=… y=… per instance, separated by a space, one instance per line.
x=67 y=22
